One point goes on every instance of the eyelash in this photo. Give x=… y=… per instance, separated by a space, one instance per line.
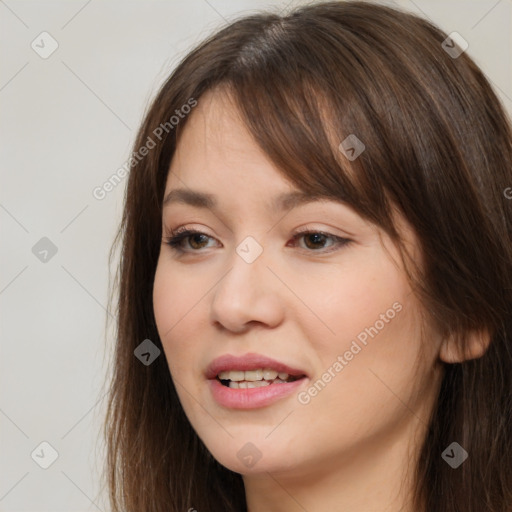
x=181 y=234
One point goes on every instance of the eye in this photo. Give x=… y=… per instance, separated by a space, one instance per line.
x=315 y=241
x=196 y=239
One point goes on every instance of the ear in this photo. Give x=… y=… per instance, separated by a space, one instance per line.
x=472 y=346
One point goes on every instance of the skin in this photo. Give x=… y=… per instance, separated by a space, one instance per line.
x=353 y=446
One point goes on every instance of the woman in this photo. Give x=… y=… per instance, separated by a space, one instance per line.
x=316 y=278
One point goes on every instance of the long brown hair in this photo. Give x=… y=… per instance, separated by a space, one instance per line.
x=438 y=148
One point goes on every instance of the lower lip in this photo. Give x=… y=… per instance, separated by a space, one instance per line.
x=252 y=398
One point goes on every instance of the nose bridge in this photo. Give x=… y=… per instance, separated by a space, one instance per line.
x=246 y=292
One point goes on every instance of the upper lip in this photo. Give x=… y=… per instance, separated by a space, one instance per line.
x=250 y=361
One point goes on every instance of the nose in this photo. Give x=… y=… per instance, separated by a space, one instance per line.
x=248 y=293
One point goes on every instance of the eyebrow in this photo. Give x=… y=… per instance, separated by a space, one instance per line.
x=281 y=202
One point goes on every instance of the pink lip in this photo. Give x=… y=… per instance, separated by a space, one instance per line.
x=251 y=398
x=254 y=397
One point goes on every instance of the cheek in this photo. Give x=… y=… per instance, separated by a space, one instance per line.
x=361 y=300
x=177 y=295
x=163 y=292
x=370 y=341
x=166 y=307
x=181 y=310
x=175 y=302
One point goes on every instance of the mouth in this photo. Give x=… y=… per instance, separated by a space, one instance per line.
x=252 y=381
x=240 y=379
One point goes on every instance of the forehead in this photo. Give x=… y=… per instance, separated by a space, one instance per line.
x=216 y=124
x=215 y=150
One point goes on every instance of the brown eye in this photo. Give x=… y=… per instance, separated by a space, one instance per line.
x=314 y=240
x=197 y=240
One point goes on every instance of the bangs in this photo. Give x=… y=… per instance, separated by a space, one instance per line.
x=319 y=129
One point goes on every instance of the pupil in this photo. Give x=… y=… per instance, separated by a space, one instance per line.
x=194 y=238
x=316 y=236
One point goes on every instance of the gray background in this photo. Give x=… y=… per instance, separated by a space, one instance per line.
x=67 y=124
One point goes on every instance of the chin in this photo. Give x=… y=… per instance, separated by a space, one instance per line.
x=248 y=458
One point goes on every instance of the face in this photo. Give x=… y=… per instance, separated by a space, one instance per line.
x=312 y=290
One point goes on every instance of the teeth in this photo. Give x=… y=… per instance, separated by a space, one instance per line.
x=249 y=385
x=258 y=384
x=269 y=374
x=252 y=375
x=232 y=375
